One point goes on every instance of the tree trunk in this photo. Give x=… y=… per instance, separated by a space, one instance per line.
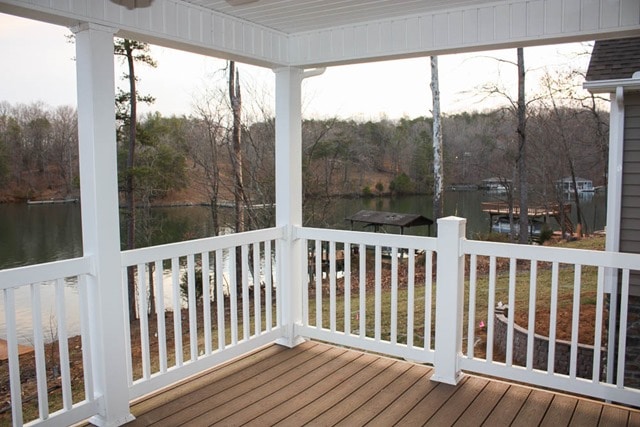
x=129 y=186
x=522 y=152
x=438 y=187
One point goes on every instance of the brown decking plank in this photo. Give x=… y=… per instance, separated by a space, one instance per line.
x=361 y=395
x=204 y=379
x=407 y=400
x=278 y=413
x=339 y=393
x=238 y=397
x=383 y=398
x=560 y=411
x=613 y=416
x=508 y=407
x=534 y=408
x=634 y=419
x=229 y=386
x=461 y=399
x=430 y=404
x=483 y=405
x=283 y=392
x=586 y=414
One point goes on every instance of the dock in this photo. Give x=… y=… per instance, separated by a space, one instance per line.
x=555 y=211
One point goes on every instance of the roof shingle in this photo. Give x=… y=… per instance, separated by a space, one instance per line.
x=614 y=59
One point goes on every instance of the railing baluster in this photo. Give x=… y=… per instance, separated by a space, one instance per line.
x=553 y=315
x=332 y=286
x=378 y=295
x=533 y=276
x=394 y=296
x=38 y=346
x=597 y=338
x=233 y=294
x=268 y=293
x=471 y=327
x=63 y=346
x=246 y=316
x=428 y=298
x=87 y=359
x=575 y=321
x=257 y=289
x=143 y=316
x=346 y=281
x=491 y=307
x=362 y=284
x=306 y=282
x=193 y=314
x=206 y=301
x=220 y=301
x=411 y=298
x=127 y=325
x=177 y=310
x=512 y=310
x=318 y=254
x=12 y=350
x=160 y=319
x=622 y=333
x=613 y=317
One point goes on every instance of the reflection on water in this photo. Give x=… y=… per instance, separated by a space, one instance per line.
x=32 y=234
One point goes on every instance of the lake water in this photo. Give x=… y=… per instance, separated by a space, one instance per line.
x=32 y=234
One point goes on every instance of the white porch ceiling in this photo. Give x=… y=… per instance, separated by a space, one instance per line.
x=295 y=16
x=311 y=33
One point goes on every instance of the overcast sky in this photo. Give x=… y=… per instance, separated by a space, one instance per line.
x=38 y=66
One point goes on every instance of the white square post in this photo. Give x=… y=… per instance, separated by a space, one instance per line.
x=100 y=221
x=449 y=300
x=289 y=198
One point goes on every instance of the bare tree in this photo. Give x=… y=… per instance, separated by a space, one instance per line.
x=438 y=178
x=522 y=161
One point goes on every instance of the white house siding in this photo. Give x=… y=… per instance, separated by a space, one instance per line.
x=630 y=216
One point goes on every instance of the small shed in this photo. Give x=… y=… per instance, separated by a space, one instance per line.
x=376 y=219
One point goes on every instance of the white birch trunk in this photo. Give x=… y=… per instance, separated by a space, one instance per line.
x=438 y=186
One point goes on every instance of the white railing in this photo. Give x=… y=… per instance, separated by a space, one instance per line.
x=233 y=312
x=59 y=395
x=431 y=300
x=355 y=296
x=566 y=286
x=369 y=291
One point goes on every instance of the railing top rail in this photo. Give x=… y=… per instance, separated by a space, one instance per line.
x=549 y=254
x=20 y=276
x=367 y=238
x=153 y=253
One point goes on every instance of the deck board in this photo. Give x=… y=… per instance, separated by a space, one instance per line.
x=319 y=384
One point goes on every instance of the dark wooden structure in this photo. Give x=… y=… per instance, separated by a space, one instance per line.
x=377 y=219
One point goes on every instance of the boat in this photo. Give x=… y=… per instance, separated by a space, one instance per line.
x=501 y=225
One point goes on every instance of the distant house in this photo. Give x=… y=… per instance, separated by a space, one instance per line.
x=495 y=185
x=583 y=185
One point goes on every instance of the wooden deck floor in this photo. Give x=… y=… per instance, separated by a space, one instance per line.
x=319 y=384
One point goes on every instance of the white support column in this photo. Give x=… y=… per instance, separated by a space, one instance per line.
x=100 y=221
x=449 y=300
x=289 y=197
x=614 y=179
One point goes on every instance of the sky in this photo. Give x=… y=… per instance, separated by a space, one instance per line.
x=42 y=69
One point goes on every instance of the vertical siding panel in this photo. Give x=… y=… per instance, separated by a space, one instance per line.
x=426 y=32
x=470 y=26
x=195 y=25
x=217 y=31
x=348 y=42
x=502 y=22
x=553 y=17
x=156 y=19
x=441 y=29
x=337 y=42
x=518 y=19
x=413 y=33
x=571 y=16
x=486 y=24
x=386 y=36
x=399 y=35
x=360 y=40
x=248 y=39
x=610 y=14
x=535 y=18
x=374 y=43
x=456 y=28
x=170 y=18
x=207 y=29
x=590 y=18
x=182 y=23
x=629 y=11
